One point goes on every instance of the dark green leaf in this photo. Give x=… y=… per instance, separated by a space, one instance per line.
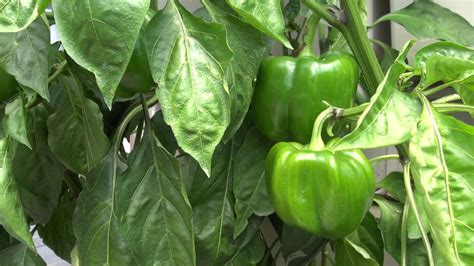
x=249 y=180
x=430 y=20
x=350 y=254
x=390 y=115
x=17 y=15
x=265 y=15
x=299 y=247
x=390 y=226
x=25 y=55
x=251 y=254
x=5 y=239
x=368 y=237
x=394 y=185
x=20 y=255
x=100 y=36
x=15 y=121
x=137 y=217
x=39 y=175
x=189 y=59
x=292 y=9
x=76 y=133
x=442 y=162
x=164 y=133
x=249 y=49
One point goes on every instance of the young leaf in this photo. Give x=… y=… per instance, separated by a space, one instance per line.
x=12 y=216
x=249 y=180
x=17 y=15
x=15 y=121
x=390 y=115
x=20 y=254
x=101 y=36
x=249 y=49
x=350 y=254
x=442 y=166
x=265 y=15
x=430 y=20
x=25 y=55
x=39 y=175
x=76 y=133
x=189 y=59
x=138 y=217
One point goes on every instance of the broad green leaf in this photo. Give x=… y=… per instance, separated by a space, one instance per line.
x=58 y=233
x=25 y=55
x=249 y=49
x=15 y=121
x=76 y=133
x=299 y=247
x=350 y=254
x=368 y=237
x=265 y=15
x=416 y=254
x=249 y=180
x=390 y=226
x=12 y=216
x=39 y=175
x=394 y=185
x=251 y=254
x=430 y=20
x=189 y=59
x=442 y=162
x=100 y=36
x=17 y=15
x=20 y=254
x=140 y=216
x=389 y=116
x=164 y=133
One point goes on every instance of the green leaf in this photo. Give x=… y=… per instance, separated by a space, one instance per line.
x=430 y=20
x=251 y=254
x=265 y=15
x=249 y=49
x=390 y=226
x=137 y=217
x=58 y=233
x=25 y=55
x=76 y=133
x=20 y=254
x=15 y=121
x=389 y=55
x=368 y=237
x=249 y=180
x=12 y=216
x=350 y=254
x=39 y=175
x=442 y=163
x=17 y=15
x=388 y=118
x=394 y=185
x=5 y=239
x=299 y=247
x=100 y=36
x=189 y=59
x=164 y=133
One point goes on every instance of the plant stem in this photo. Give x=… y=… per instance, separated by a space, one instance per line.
x=323 y=12
x=61 y=67
x=453 y=107
x=404 y=234
x=411 y=200
x=437 y=88
x=449 y=98
x=353 y=110
x=317 y=143
x=384 y=158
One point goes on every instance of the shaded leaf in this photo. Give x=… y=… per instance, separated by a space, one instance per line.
x=189 y=58
x=390 y=226
x=393 y=183
x=251 y=254
x=20 y=255
x=15 y=121
x=164 y=133
x=299 y=247
x=17 y=15
x=389 y=55
x=350 y=254
x=368 y=237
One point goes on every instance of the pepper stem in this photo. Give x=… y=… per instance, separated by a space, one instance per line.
x=317 y=142
x=312 y=26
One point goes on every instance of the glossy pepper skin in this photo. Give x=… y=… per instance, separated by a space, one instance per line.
x=289 y=92
x=7 y=85
x=323 y=192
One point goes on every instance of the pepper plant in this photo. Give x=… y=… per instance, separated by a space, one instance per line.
x=142 y=136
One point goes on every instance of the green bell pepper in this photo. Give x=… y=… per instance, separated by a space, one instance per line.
x=289 y=92
x=7 y=85
x=324 y=192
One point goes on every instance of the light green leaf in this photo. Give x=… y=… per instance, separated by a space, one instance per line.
x=25 y=54
x=39 y=175
x=442 y=163
x=430 y=20
x=100 y=36
x=12 y=216
x=249 y=180
x=17 y=15
x=15 y=121
x=189 y=59
x=350 y=254
x=140 y=216
x=265 y=15
x=76 y=133
x=249 y=49
x=20 y=254
x=388 y=118
x=390 y=226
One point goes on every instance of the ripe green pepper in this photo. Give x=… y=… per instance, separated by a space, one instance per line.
x=324 y=192
x=7 y=85
x=289 y=92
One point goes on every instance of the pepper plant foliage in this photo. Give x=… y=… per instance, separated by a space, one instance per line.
x=191 y=187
